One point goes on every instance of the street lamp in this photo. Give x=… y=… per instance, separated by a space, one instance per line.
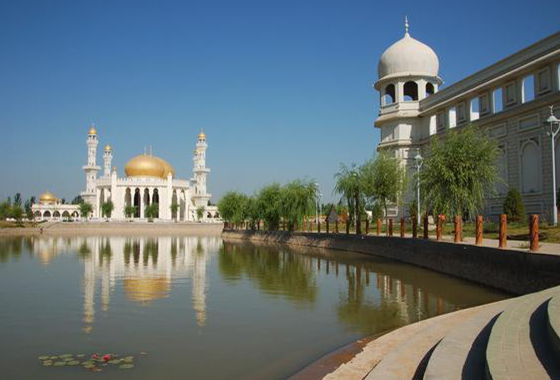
x=552 y=127
x=318 y=208
x=419 y=161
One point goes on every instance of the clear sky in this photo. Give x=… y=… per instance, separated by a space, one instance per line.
x=283 y=89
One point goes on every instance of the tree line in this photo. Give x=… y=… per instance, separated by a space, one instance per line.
x=458 y=173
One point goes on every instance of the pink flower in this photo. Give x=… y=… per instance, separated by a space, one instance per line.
x=95 y=356
x=107 y=357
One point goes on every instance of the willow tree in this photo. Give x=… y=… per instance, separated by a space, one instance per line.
x=349 y=185
x=297 y=200
x=232 y=207
x=269 y=200
x=459 y=172
x=383 y=180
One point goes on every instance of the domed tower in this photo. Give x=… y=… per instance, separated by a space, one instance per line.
x=200 y=171
x=107 y=159
x=91 y=168
x=408 y=73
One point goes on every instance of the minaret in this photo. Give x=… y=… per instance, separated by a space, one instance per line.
x=200 y=171
x=91 y=168
x=107 y=159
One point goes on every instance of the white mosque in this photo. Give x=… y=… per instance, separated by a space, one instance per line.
x=510 y=100
x=148 y=180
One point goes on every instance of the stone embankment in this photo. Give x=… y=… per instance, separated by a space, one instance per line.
x=518 y=338
x=514 y=271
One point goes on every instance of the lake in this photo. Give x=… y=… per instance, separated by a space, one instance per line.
x=198 y=307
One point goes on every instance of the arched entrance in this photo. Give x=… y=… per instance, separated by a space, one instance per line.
x=137 y=203
x=155 y=200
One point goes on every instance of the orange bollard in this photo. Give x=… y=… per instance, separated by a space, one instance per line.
x=390 y=229
x=478 y=230
x=458 y=229
x=426 y=232
x=439 y=226
x=379 y=227
x=503 y=231
x=414 y=228
x=534 y=233
x=402 y=227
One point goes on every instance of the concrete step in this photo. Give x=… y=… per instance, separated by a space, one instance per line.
x=519 y=346
x=553 y=313
x=408 y=360
x=461 y=354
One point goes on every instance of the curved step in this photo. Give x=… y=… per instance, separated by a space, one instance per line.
x=518 y=347
x=462 y=353
x=407 y=361
x=553 y=312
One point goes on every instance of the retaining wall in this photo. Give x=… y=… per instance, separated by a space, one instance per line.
x=516 y=272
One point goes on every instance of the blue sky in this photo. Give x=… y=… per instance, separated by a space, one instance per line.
x=282 y=88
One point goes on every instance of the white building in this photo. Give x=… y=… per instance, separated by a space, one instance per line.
x=148 y=180
x=510 y=99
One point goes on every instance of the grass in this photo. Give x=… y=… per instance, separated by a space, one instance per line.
x=6 y=224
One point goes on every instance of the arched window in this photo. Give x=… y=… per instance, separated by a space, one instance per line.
x=429 y=89
x=389 y=96
x=410 y=91
x=528 y=89
x=531 y=176
x=47 y=214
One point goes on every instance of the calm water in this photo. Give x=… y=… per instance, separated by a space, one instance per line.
x=199 y=307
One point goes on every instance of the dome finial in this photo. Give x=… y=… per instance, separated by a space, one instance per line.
x=405 y=25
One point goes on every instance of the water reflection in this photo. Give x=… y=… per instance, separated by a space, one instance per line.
x=145 y=267
x=375 y=294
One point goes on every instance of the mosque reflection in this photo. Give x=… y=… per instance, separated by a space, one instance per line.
x=145 y=268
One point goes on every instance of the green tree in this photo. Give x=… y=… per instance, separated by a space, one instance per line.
x=16 y=212
x=269 y=201
x=129 y=211
x=298 y=200
x=151 y=211
x=107 y=209
x=85 y=209
x=459 y=172
x=383 y=180
x=232 y=207
x=513 y=206
x=5 y=210
x=77 y=200
x=200 y=212
x=27 y=207
x=349 y=185
x=17 y=199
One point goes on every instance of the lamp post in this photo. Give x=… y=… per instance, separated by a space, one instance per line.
x=419 y=161
x=318 y=196
x=552 y=127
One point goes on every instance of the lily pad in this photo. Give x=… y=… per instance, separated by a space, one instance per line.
x=128 y=359
x=80 y=355
x=47 y=363
x=66 y=356
x=114 y=361
x=126 y=366
x=89 y=366
x=44 y=357
x=53 y=357
x=73 y=362
x=59 y=364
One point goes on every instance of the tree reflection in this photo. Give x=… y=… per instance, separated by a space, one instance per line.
x=276 y=272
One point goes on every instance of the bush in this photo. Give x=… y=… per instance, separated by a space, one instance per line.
x=513 y=206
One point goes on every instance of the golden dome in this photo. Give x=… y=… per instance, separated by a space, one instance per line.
x=148 y=289
x=47 y=197
x=145 y=165
x=108 y=148
x=202 y=135
x=92 y=131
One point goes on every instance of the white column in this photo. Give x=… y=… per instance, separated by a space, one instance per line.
x=141 y=203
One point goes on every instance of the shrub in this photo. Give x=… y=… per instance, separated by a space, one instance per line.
x=513 y=206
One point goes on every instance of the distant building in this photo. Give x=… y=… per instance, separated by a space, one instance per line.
x=510 y=99
x=148 y=180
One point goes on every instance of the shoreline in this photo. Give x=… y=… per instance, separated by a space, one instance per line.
x=114 y=228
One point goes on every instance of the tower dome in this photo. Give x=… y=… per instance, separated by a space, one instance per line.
x=406 y=57
x=47 y=198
